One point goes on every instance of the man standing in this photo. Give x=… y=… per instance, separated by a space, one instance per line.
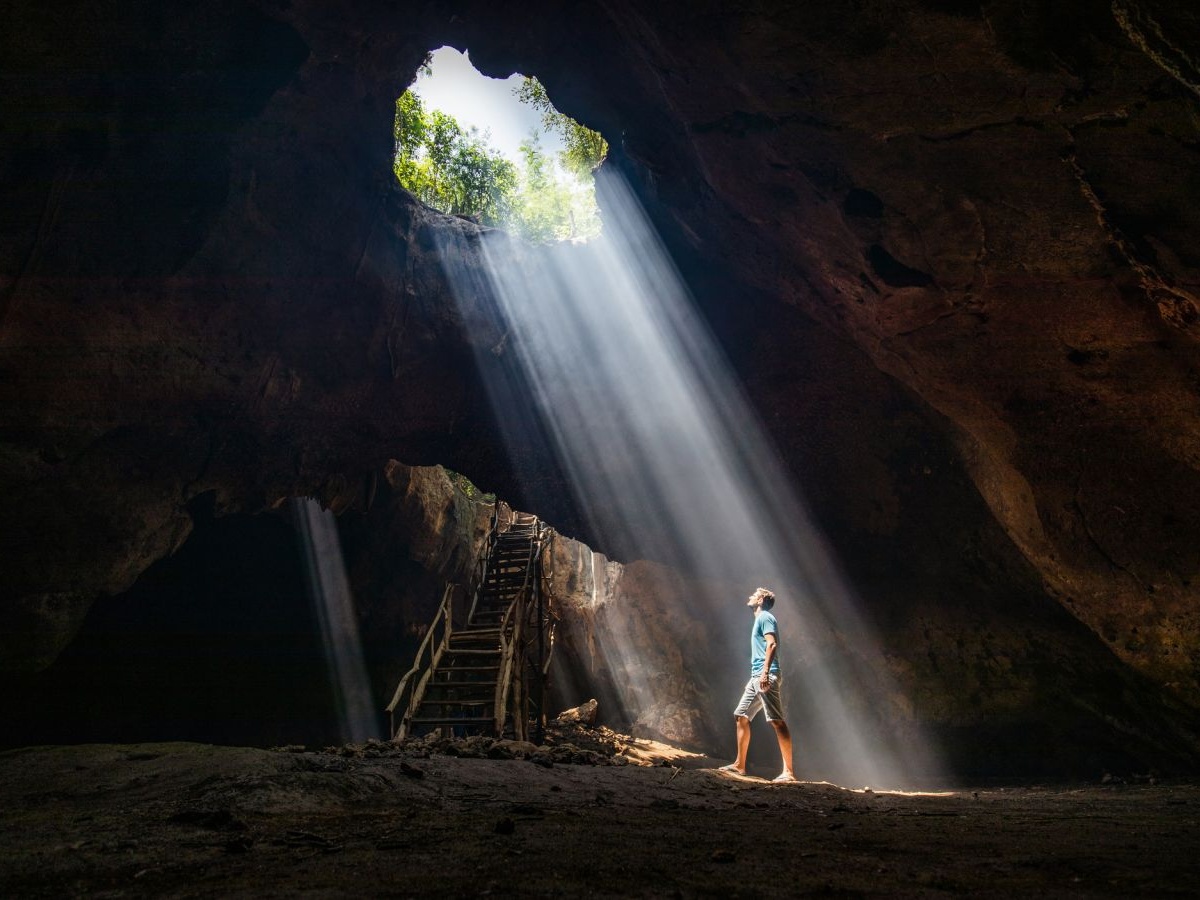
x=762 y=690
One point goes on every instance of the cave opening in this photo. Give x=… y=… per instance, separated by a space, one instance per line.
x=496 y=151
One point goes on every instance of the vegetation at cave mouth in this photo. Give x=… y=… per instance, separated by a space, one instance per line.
x=456 y=170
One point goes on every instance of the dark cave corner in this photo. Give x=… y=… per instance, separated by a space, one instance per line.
x=217 y=643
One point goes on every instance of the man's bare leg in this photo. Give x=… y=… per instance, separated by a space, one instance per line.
x=743 y=742
x=785 y=744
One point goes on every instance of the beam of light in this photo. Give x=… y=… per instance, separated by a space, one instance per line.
x=605 y=355
x=329 y=591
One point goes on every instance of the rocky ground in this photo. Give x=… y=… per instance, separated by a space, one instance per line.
x=477 y=818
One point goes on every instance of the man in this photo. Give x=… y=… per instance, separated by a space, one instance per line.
x=762 y=690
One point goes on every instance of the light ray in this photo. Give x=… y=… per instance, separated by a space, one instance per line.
x=329 y=591
x=667 y=461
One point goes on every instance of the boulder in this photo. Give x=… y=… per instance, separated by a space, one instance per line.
x=584 y=713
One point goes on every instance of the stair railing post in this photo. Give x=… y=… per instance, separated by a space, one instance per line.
x=417 y=691
x=539 y=679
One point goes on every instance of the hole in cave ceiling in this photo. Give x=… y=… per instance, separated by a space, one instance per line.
x=496 y=151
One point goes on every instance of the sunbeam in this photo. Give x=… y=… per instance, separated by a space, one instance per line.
x=667 y=461
x=329 y=591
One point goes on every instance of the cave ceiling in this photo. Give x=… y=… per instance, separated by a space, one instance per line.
x=950 y=248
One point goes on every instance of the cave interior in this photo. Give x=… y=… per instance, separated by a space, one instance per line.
x=948 y=249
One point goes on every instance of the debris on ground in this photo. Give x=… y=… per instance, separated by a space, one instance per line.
x=569 y=740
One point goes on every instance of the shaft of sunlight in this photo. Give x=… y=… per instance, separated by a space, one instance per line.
x=667 y=461
x=329 y=592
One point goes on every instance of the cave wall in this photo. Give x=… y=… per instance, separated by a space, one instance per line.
x=217 y=643
x=949 y=248
x=995 y=205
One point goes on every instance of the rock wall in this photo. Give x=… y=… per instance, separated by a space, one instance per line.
x=626 y=637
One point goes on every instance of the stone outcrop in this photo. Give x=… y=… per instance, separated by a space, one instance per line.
x=950 y=249
x=625 y=634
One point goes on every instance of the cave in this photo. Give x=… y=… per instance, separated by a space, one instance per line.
x=943 y=252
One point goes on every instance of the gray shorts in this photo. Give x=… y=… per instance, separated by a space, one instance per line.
x=770 y=700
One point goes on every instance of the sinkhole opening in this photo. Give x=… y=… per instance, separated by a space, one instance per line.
x=496 y=151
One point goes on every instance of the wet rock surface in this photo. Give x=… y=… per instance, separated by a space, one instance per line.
x=192 y=820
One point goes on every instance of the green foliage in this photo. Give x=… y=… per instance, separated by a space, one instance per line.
x=464 y=484
x=457 y=171
x=547 y=206
x=450 y=168
x=585 y=149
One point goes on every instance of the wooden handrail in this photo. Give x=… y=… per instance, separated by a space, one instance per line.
x=445 y=617
x=482 y=563
x=517 y=664
x=510 y=645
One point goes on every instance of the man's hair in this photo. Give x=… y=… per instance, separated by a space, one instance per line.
x=767 y=597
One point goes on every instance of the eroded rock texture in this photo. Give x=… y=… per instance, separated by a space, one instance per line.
x=950 y=248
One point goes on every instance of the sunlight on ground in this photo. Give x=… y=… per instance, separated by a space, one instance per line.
x=655 y=753
x=865 y=791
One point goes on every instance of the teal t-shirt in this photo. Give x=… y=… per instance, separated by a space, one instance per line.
x=764 y=624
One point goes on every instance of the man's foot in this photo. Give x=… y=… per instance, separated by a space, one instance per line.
x=784 y=778
x=732 y=769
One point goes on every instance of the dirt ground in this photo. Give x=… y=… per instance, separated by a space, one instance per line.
x=193 y=820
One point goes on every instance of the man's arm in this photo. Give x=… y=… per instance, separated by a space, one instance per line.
x=765 y=680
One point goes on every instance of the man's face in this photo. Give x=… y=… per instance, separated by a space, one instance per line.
x=754 y=602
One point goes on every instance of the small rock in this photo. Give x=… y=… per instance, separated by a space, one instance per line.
x=722 y=855
x=505 y=826
x=411 y=771
x=545 y=760
x=519 y=749
x=584 y=714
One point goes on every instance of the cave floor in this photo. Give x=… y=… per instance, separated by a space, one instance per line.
x=193 y=820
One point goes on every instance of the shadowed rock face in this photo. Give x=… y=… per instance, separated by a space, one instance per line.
x=951 y=251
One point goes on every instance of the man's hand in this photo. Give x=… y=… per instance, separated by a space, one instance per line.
x=772 y=644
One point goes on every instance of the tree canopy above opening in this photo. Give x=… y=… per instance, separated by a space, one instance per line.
x=456 y=169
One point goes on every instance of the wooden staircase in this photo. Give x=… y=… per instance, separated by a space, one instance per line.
x=472 y=681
